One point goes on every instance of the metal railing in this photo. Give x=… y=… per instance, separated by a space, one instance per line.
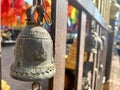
x=58 y=33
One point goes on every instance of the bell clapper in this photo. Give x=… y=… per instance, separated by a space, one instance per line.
x=36 y=86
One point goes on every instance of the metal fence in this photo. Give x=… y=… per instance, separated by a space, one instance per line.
x=58 y=33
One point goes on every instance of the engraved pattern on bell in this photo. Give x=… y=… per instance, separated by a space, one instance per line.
x=40 y=54
x=33 y=55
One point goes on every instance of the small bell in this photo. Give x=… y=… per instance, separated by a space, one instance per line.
x=91 y=42
x=114 y=9
x=33 y=51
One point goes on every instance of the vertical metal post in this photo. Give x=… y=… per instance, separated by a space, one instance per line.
x=58 y=33
x=103 y=59
x=94 y=71
x=80 y=49
x=94 y=65
x=109 y=54
x=97 y=62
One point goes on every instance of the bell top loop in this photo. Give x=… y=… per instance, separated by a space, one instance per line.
x=30 y=15
x=37 y=7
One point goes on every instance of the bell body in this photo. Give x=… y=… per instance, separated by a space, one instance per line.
x=33 y=55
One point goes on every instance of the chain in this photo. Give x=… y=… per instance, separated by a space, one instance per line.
x=40 y=6
x=49 y=22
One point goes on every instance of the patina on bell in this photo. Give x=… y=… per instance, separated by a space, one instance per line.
x=33 y=53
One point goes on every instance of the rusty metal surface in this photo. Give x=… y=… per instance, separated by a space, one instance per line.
x=7 y=60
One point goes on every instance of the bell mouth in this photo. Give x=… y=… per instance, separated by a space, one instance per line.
x=32 y=73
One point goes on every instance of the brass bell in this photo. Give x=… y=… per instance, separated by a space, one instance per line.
x=33 y=51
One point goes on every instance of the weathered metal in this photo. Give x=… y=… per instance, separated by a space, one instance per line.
x=33 y=51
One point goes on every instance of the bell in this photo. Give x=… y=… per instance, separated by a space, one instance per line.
x=33 y=51
x=114 y=9
x=91 y=42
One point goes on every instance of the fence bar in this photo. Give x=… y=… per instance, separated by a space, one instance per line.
x=80 y=49
x=94 y=63
x=99 y=57
x=109 y=55
x=97 y=62
x=58 y=32
x=104 y=58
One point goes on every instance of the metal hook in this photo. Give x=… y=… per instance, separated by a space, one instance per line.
x=41 y=12
x=37 y=85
